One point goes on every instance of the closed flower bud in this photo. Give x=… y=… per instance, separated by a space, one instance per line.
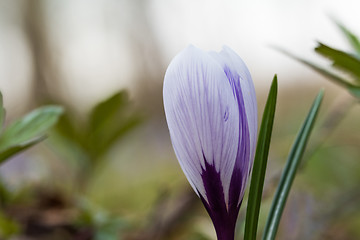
x=211 y=111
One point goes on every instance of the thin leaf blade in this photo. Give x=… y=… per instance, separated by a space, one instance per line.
x=289 y=171
x=353 y=89
x=352 y=38
x=260 y=162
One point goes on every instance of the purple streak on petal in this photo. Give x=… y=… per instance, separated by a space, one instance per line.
x=224 y=221
x=242 y=163
x=209 y=105
x=228 y=58
x=237 y=65
x=224 y=215
x=202 y=116
x=243 y=89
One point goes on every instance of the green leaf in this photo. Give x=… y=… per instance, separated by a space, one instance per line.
x=353 y=89
x=352 y=38
x=107 y=110
x=341 y=60
x=14 y=149
x=106 y=225
x=28 y=131
x=72 y=132
x=110 y=120
x=260 y=161
x=289 y=171
x=31 y=126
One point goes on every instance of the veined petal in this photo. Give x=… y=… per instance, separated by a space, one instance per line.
x=227 y=57
x=203 y=117
x=243 y=89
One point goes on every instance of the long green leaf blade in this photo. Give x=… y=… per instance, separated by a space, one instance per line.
x=289 y=171
x=260 y=162
x=341 y=60
x=353 y=89
x=352 y=38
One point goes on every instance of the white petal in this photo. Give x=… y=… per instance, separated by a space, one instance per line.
x=202 y=116
x=229 y=58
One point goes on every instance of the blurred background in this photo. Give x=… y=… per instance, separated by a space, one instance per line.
x=108 y=171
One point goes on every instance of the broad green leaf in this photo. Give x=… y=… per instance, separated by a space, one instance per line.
x=352 y=38
x=72 y=131
x=260 y=161
x=110 y=120
x=341 y=60
x=31 y=126
x=107 y=122
x=108 y=109
x=14 y=149
x=123 y=127
x=289 y=171
x=353 y=89
x=2 y=113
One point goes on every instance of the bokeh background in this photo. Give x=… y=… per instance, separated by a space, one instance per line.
x=108 y=171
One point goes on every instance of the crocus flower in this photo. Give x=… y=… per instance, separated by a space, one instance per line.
x=211 y=111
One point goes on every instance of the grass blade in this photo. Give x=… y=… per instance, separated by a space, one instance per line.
x=353 y=89
x=352 y=38
x=289 y=171
x=260 y=161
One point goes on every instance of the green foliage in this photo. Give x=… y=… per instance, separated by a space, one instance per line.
x=8 y=227
x=348 y=63
x=353 y=89
x=260 y=161
x=289 y=171
x=105 y=225
x=352 y=38
x=18 y=136
x=26 y=131
x=107 y=122
x=342 y=60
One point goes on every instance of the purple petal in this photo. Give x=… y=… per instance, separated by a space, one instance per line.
x=203 y=118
